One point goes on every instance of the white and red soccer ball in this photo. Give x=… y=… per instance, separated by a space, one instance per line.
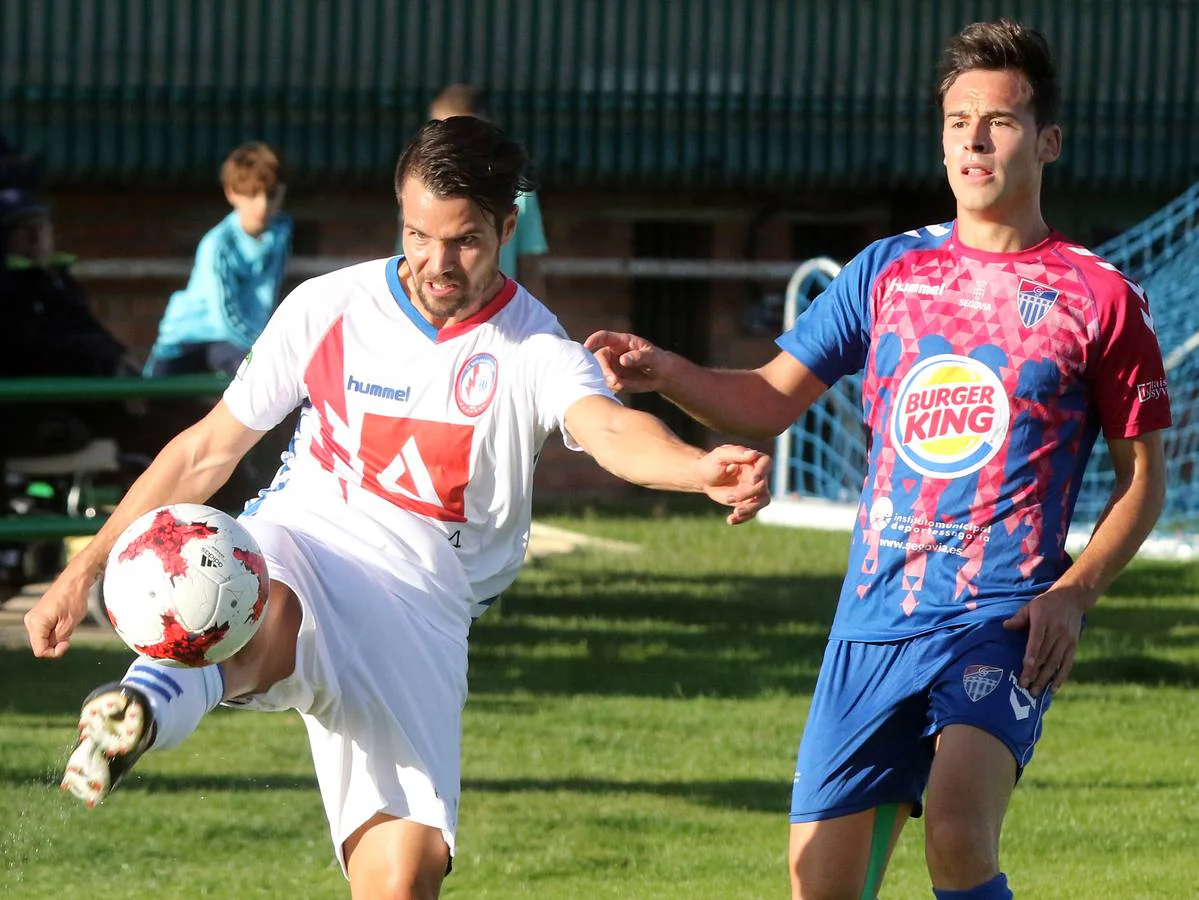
x=186 y=584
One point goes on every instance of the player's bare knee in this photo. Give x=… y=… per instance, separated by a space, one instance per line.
x=824 y=886
x=820 y=878
x=960 y=849
x=395 y=859
x=396 y=883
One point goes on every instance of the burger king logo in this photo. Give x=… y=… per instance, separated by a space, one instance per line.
x=950 y=416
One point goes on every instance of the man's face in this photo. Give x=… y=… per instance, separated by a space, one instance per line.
x=32 y=237
x=993 y=151
x=254 y=211
x=452 y=251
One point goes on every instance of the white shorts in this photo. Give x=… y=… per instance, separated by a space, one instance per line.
x=379 y=682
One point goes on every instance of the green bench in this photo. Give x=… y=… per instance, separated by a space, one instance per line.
x=47 y=527
x=36 y=526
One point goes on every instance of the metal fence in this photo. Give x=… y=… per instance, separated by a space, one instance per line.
x=740 y=93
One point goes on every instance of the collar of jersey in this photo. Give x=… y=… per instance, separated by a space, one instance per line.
x=439 y=335
x=1037 y=249
x=254 y=248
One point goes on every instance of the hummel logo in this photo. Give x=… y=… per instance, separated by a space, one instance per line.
x=208 y=561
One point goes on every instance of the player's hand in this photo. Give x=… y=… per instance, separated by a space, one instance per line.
x=630 y=363
x=1054 y=623
x=737 y=477
x=55 y=616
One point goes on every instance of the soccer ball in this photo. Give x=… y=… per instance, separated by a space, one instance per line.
x=186 y=584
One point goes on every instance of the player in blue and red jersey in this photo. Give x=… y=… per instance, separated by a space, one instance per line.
x=994 y=352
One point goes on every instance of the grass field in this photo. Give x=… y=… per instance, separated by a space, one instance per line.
x=631 y=734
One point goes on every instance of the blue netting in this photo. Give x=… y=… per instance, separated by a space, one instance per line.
x=1162 y=253
x=825 y=451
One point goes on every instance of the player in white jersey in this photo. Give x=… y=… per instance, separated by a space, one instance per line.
x=428 y=385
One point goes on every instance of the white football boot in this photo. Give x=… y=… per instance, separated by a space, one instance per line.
x=116 y=726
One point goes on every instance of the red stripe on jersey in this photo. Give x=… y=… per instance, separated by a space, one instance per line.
x=325 y=380
x=325 y=376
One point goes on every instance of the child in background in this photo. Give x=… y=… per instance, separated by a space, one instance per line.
x=234 y=285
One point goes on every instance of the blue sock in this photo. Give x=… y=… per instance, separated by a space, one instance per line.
x=179 y=698
x=995 y=889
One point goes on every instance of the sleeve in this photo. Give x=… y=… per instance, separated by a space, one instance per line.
x=832 y=337
x=530 y=234
x=50 y=330
x=229 y=297
x=214 y=279
x=284 y=227
x=269 y=384
x=1129 y=387
x=562 y=372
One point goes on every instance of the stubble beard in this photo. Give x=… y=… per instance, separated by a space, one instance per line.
x=443 y=308
x=453 y=307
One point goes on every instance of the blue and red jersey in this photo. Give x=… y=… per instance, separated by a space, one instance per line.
x=987 y=377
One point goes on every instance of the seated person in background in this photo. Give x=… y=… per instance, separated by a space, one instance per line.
x=17 y=169
x=48 y=329
x=209 y=325
x=520 y=257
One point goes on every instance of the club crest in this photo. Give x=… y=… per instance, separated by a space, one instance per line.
x=978 y=681
x=475 y=385
x=1034 y=301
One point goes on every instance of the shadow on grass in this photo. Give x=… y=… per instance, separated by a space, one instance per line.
x=56 y=686
x=753 y=795
x=1122 y=641
x=651 y=635
x=1134 y=669
x=601 y=627
x=1152 y=578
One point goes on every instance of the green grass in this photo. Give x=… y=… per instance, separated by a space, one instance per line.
x=631 y=734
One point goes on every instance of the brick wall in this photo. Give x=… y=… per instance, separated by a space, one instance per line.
x=361 y=223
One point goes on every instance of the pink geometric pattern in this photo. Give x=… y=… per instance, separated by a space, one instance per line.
x=995 y=532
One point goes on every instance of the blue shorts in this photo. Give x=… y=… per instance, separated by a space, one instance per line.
x=877 y=708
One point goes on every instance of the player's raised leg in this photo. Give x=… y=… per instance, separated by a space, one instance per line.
x=116 y=726
x=396 y=859
x=972 y=779
x=157 y=706
x=270 y=655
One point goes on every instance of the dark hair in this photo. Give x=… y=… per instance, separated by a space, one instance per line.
x=999 y=46
x=466 y=157
x=251 y=168
x=462 y=100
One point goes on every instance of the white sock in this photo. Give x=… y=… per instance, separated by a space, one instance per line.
x=179 y=698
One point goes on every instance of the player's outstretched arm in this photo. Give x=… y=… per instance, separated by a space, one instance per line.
x=637 y=447
x=1054 y=619
x=188 y=469
x=756 y=403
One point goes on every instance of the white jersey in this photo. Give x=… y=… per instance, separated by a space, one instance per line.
x=415 y=446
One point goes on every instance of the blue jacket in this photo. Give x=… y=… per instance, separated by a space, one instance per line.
x=232 y=291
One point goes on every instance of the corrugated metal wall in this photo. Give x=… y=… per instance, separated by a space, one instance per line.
x=657 y=92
